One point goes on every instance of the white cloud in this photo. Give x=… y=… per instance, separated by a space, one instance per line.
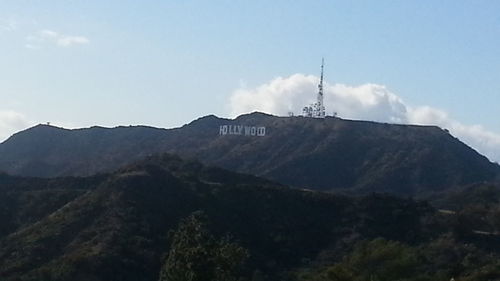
x=8 y=25
x=67 y=41
x=49 y=34
x=61 y=40
x=11 y=122
x=365 y=102
x=281 y=95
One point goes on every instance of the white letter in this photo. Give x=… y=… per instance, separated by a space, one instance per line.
x=261 y=131
x=223 y=130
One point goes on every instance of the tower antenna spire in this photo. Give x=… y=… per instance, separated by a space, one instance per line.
x=319 y=107
x=317 y=110
x=320 y=86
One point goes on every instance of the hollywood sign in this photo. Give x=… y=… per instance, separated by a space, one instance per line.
x=242 y=130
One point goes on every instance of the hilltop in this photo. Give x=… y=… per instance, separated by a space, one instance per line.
x=319 y=154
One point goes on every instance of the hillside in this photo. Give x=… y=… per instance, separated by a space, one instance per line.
x=116 y=226
x=329 y=154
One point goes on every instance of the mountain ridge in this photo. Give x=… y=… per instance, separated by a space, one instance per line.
x=320 y=154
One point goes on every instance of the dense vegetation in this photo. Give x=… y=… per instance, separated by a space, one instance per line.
x=195 y=255
x=330 y=154
x=380 y=259
x=169 y=219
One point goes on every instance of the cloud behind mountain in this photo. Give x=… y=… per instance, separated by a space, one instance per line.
x=11 y=122
x=363 y=102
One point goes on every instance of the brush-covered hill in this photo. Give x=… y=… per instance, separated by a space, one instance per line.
x=329 y=154
x=116 y=227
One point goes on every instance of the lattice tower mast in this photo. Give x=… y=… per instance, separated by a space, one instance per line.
x=319 y=107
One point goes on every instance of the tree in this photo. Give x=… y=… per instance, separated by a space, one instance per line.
x=196 y=255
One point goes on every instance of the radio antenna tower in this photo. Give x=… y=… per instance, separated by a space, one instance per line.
x=317 y=110
x=320 y=107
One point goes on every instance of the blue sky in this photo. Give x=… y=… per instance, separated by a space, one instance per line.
x=164 y=63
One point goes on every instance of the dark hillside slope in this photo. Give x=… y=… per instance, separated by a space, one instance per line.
x=117 y=230
x=327 y=154
x=26 y=200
